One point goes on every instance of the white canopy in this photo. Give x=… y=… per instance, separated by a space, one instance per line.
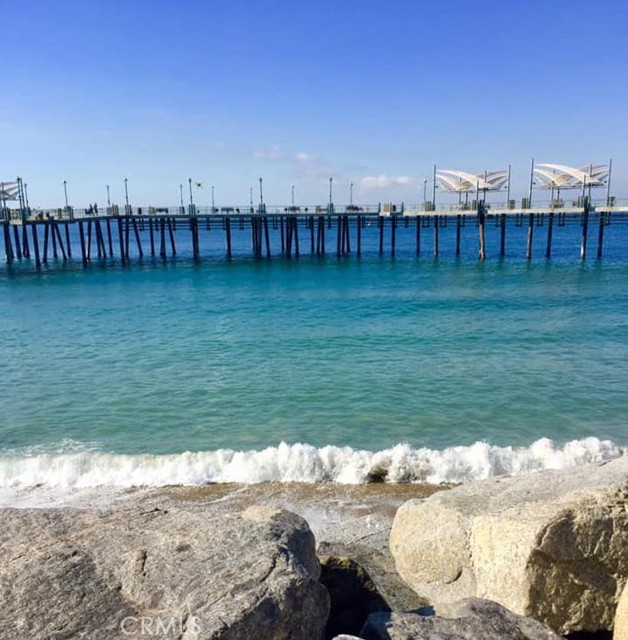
x=9 y=190
x=560 y=176
x=463 y=182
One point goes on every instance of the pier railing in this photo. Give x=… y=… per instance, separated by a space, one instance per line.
x=513 y=207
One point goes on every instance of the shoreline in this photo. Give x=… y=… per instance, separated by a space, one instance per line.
x=321 y=504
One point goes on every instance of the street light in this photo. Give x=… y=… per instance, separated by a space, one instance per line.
x=65 y=192
x=108 y=198
x=351 y=194
x=293 y=195
x=126 y=194
x=191 y=200
x=212 y=198
x=330 y=184
x=261 y=195
x=424 y=189
x=181 y=196
x=26 y=194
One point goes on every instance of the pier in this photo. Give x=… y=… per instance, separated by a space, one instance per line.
x=125 y=233
x=136 y=232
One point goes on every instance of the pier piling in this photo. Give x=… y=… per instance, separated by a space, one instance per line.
x=18 y=249
x=600 y=233
x=393 y=234
x=36 y=245
x=228 y=237
x=8 y=248
x=550 y=233
x=67 y=239
x=436 y=234
x=585 y=229
x=482 y=230
x=502 y=236
x=530 y=236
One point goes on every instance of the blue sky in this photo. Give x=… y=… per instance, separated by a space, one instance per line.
x=367 y=92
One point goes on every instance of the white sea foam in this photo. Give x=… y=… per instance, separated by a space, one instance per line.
x=294 y=463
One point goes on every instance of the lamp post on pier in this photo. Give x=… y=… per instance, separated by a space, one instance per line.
x=181 y=197
x=212 y=198
x=26 y=194
x=108 y=197
x=351 y=194
x=293 y=195
x=126 y=196
x=424 y=190
x=65 y=193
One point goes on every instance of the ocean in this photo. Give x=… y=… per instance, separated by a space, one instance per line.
x=412 y=369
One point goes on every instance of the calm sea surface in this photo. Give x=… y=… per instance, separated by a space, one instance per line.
x=165 y=358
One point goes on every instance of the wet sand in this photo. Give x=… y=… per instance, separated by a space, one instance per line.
x=319 y=503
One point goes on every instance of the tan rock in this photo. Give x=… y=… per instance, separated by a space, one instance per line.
x=552 y=546
x=621 y=616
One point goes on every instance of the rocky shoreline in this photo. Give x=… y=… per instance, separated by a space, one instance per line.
x=541 y=556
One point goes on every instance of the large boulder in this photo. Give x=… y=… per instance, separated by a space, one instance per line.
x=468 y=619
x=359 y=572
x=380 y=568
x=353 y=595
x=552 y=546
x=177 y=573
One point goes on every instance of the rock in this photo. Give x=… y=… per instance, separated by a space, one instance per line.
x=469 y=619
x=177 y=573
x=552 y=546
x=380 y=567
x=368 y=531
x=365 y=540
x=621 y=616
x=352 y=595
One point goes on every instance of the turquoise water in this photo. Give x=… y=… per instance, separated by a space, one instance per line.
x=165 y=358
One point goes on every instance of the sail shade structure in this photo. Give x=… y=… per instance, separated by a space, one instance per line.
x=464 y=182
x=559 y=176
x=9 y=190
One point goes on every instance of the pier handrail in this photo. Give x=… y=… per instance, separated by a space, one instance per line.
x=567 y=205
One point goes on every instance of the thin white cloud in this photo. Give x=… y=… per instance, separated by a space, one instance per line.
x=382 y=181
x=272 y=153
x=304 y=158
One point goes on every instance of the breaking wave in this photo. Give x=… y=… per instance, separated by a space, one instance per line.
x=77 y=466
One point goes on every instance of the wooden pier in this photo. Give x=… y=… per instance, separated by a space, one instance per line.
x=134 y=232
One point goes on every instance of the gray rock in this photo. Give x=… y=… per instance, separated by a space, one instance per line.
x=365 y=541
x=368 y=531
x=177 y=573
x=380 y=567
x=353 y=595
x=470 y=619
x=552 y=546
